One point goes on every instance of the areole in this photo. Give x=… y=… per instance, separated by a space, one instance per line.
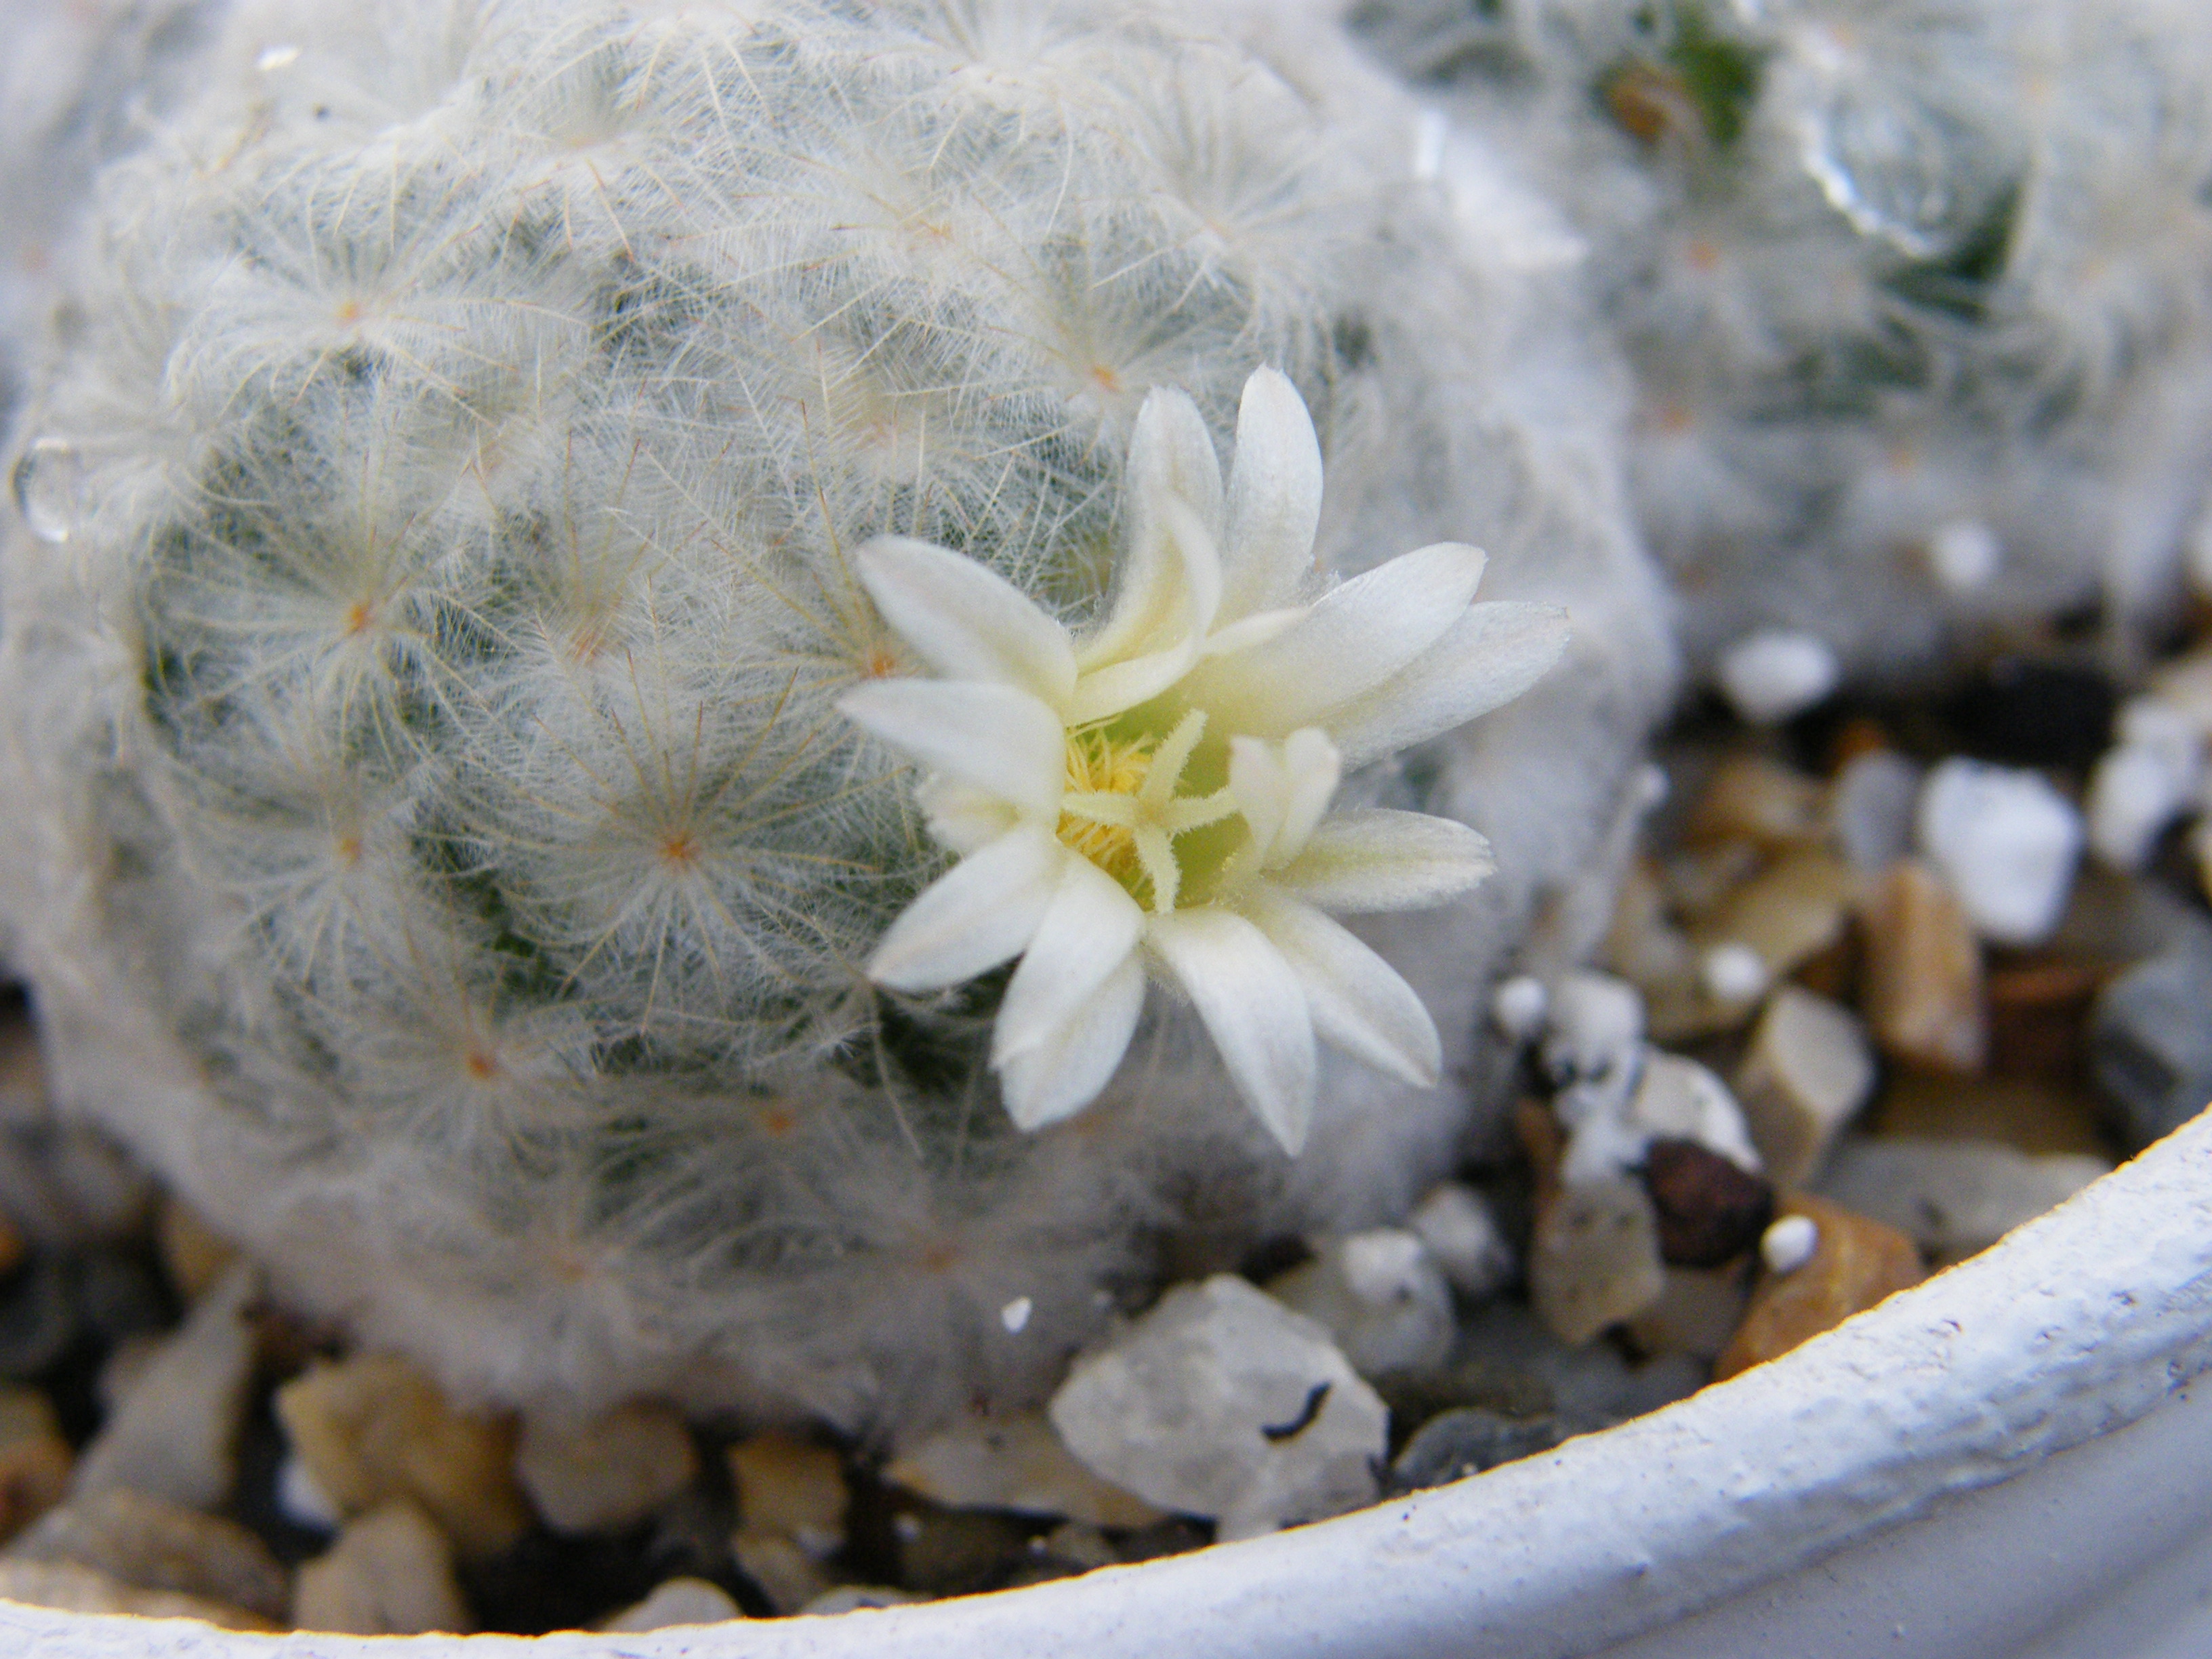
x=1684 y=1532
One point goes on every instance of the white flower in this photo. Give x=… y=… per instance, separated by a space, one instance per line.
x=1156 y=795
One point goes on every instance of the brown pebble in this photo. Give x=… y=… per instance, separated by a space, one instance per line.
x=15 y=1248
x=1809 y=1068
x=1856 y=1263
x=1594 y=1258
x=155 y=1546
x=1697 y=1313
x=69 y=1587
x=1752 y=798
x=1923 y=972
x=373 y=1428
x=1788 y=913
x=2038 y=1013
x=35 y=1459
x=194 y=1254
x=1709 y=1211
x=790 y=1489
x=2035 y=1115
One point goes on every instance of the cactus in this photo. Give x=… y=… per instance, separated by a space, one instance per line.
x=450 y=863
x=1919 y=294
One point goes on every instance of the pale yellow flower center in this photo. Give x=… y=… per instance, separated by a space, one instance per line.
x=1121 y=810
x=1100 y=765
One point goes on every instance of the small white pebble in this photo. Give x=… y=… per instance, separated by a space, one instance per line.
x=1770 y=676
x=1016 y=1314
x=1964 y=555
x=1383 y=1268
x=2006 y=843
x=1789 y=1244
x=2134 y=794
x=273 y=59
x=1733 y=973
x=1518 y=1005
x=303 y=1503
x=1457 y=1224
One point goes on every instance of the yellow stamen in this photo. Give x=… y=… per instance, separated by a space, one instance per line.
x=1100 y=765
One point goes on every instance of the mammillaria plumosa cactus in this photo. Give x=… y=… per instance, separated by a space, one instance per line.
x=469 y=553
x=1919 y=293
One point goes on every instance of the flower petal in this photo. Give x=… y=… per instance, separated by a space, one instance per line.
x=965 y=620
x=1254 y=1008
x=1354 y=639
x=1495 y=651
x=1359 y=1002
x=1376 y=859
x=1282 y=790
x=1274 y=498
x=963 y=819
x=1063 y=1074
x=996 y=740
x=1171 y=464
x=977 y=915
x=1089 y=929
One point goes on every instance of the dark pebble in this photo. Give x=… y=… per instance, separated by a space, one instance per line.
x=37 y=1316
x=2150 y=1043
x=1466 y=1442
x=2026 y=713
x=1710 y=1211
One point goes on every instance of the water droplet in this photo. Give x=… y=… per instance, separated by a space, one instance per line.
x=1888 y=167
x=49 y=484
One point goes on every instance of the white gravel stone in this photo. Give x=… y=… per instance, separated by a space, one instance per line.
x=1809 y=1068
x=1014 y=1463
x=677 y=1601
x=1964 y=556
x=2005 y=842
x=176 y=1434
x=1953 y=1197
x=615 y=1469
x=1733 y=973
x=1518 y=1005
x=2149 y=779
x=1593 y=1044
x=1462 y=1232
x=1382 y=1295
x=1871 y=807
x=1678 y=1099
x=1222 y=1402
x=1790 y=1243
x=1770 y=676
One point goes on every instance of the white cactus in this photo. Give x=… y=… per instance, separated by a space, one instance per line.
x=449 y=860
x=1919 y=293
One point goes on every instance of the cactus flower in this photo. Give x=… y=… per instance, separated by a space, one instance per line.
x=1155 y=795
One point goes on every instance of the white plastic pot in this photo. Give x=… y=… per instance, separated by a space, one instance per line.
x=2011 y=1459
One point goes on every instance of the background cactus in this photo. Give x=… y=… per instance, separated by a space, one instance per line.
x=1917 y=292
x=447 y=862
